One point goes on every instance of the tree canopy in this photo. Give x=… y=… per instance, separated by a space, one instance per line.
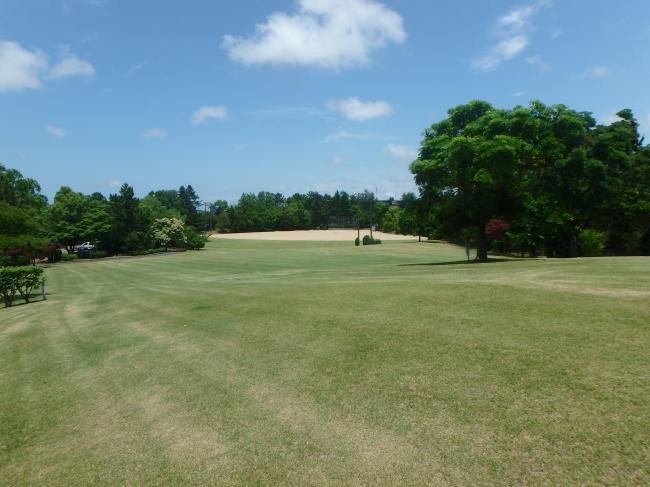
x=551 y=172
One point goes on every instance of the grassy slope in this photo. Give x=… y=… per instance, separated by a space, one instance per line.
x=323 y=363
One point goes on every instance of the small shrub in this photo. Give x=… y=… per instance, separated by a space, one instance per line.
x=19 y=280
x=193 y=239
x=368 y=240
x=356 y=241
x=592 y=243
x=69 y=257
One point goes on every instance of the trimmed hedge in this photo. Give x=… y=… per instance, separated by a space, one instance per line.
x=19 y=280
x=368 y=240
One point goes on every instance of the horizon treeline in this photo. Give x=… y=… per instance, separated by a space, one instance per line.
x=537 y=180
x=124 y=223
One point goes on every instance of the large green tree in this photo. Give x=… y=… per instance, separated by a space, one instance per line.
x=560 y=180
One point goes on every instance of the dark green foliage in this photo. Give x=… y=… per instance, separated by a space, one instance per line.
x=266 y=211
x=368 y=240
x=193 y=239
x=55 y=256
x=19 y=280
x=356 y=241
x=591 y=243
x=93 y=254
x=69 y=257
x=549 y=172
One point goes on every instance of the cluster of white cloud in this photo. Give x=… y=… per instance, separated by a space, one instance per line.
x=360 y=111
x=538 y=62
x=155 y=133
x=57 y=132
x=70 y=65
x=22 y=69
x=325 y=33
x=595 y=72
x=402 y=153
x=512 y=30
x=207 y=112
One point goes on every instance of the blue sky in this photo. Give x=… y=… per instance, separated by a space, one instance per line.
x=233 y=96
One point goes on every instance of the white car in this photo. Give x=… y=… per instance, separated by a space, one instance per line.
x=84 y=247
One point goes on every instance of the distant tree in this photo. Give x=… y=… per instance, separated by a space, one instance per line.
x=391 y=220
x=128 y=231
x=152 y=209
x=22 y=206
x=189 y=203
x=65 y=216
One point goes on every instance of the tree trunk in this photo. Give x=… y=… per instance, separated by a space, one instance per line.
x=481 y=246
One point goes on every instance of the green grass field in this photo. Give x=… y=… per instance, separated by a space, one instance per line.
x=321 y=363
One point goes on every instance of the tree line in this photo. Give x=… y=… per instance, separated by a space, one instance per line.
x=538 y=179
x=30 y=227
x=267 y=211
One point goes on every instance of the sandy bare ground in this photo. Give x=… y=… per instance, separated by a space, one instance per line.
x=319 y=235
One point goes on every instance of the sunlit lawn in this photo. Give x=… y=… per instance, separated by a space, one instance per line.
x=321 y=363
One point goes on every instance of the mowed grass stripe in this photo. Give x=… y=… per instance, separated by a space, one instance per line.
x=299 y=363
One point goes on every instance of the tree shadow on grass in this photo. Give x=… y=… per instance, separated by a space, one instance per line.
x=473 y=261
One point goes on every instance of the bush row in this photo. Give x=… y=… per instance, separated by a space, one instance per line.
x=19 y=280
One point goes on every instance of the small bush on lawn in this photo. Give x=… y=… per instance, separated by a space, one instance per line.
x=19 y=280
x=69 y=257
x=193 y=239
x=368 y=240
x=356 y=241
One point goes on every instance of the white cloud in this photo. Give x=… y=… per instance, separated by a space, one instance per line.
x=517 y=18
x=360 y=111
x=608 y=118
x=644 y=127
x=538 y=62
x=402 y=153
x=595 y=72
x=325 y=33
x=518 y=94
x=208 y=112
x=71 y=65
x=155 y=133
x=19 y=68
x=134 y=69
x=512 y=30
x=57 y=132
x=501 y=52
x=115 y=184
